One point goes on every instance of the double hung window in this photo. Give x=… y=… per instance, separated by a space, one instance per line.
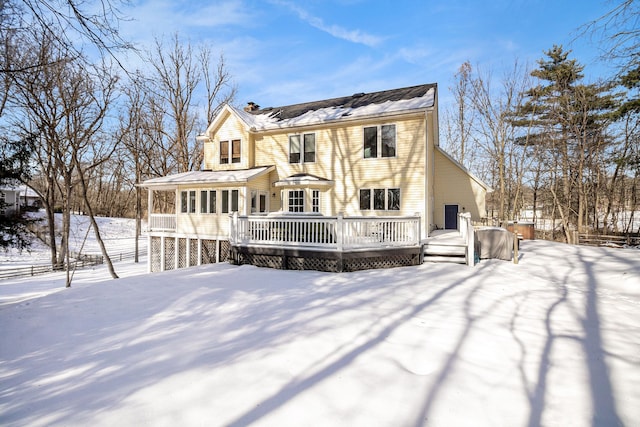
x=315 y=200
x=302 y=148
x=230 y=150
x=379 y=141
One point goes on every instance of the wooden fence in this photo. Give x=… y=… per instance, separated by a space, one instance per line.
x=608 y=240
x=78 y=262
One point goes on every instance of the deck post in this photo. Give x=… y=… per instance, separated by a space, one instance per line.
x=515 y=242
x=340 y=231
x=162 y=263
x=176 y=253
x=233 y=228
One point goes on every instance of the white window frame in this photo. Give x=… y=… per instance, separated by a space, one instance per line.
x=255 y=201
x=230 y=158
x=302 y=145
x=379 y=142
x=230 y=198
x=300 y=197
x=315 y=201
x=387 y=198
x=207 y=208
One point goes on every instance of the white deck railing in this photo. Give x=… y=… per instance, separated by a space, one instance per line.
x=467 y=232
x=162 y=222
x=325 y=233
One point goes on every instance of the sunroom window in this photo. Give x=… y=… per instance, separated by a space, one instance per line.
x=229 y=201
x=208 y=201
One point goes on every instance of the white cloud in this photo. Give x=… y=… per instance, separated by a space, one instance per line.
x=354 y=36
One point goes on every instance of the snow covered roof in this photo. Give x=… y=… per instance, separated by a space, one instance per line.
x=357 y=106
x=207 y=177
x=304 y=180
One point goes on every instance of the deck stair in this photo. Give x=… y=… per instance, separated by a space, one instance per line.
x=445 y=246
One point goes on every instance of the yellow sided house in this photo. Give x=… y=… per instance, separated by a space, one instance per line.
x=338 y=185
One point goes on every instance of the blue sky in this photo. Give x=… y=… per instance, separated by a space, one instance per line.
x=282 y=52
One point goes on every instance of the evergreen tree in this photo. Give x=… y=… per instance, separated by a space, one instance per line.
x=566 y=121
x=14 y=168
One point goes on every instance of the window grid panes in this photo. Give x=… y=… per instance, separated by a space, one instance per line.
x=296 y=201
x=315 y=200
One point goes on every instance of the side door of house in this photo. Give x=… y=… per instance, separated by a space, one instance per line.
x=451 y=217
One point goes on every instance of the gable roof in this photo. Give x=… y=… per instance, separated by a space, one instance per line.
x=465 y=170
x=357 y=106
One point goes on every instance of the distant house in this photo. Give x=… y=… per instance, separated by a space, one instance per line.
x=9 y=200
x=355 y=175
x=17 y=196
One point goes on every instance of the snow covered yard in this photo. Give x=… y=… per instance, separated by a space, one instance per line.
x=552 y=341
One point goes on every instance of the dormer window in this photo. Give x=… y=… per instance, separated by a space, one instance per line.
x=230 y=150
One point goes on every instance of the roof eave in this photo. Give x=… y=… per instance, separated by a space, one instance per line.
x=348 y=119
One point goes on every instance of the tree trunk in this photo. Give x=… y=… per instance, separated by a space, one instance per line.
x=103 y=250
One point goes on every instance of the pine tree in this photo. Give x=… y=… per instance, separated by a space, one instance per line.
x=566 y=121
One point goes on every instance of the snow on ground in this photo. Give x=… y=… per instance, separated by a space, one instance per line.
x=118 y=235
x=553 y=341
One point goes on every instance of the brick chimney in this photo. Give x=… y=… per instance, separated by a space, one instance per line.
x=251 y=106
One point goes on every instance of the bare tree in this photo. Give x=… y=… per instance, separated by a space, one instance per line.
x=459 y=122
x=217 y=80
x=495 y=134
x=67 y=105
x=179 y=71
x=176 y=78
